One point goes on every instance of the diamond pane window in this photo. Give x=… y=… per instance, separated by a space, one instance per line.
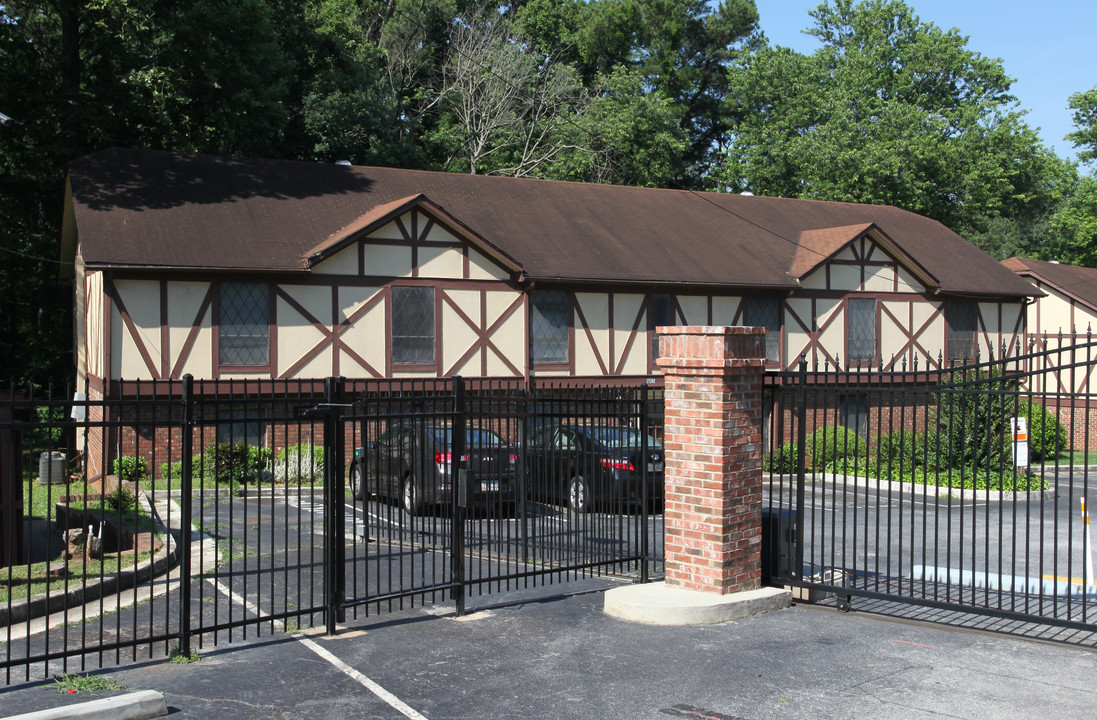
x=413 y=325
x=549 y=318
x=245 y=324
x=766 y=312
x=862 y=329
x=960 y=315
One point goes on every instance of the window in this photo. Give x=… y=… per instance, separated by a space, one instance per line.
x=862 y=330
x=549 y=320
x=960 y=316
x=240 y=425
x=244 y=324
x=661 y=315
x=766 y=312
x=853 y=413
x=413 y=326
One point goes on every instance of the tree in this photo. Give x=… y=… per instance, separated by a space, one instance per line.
x=625 y=137
x=682 y=49
x=504 y=107
x=1084 y=136
x=890 y=110
x=81 y=76
x=1074 y=224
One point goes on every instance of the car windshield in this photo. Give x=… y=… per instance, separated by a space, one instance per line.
x=616 y=437
x=473 y=436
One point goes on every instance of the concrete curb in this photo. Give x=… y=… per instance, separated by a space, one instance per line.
x=892 y=486
x=51 y=602
x=132 y=706
x=658 y=604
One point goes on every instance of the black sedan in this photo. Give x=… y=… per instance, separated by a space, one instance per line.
x=586 y=465
x=413 y=462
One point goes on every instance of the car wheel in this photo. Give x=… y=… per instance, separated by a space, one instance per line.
x=413 y=505
x=579 y=494
x=357 y=482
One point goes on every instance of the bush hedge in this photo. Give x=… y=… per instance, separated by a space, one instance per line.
x=834 y=442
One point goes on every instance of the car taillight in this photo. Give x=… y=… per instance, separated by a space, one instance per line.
x=618 y=464
x=445 y=458
x=513 y=459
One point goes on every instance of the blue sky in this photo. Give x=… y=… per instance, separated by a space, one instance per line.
x=1049 y=47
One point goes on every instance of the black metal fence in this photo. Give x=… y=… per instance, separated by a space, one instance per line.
x=171 y=516
x=922 y=486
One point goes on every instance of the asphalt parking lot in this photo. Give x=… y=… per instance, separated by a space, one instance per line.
x=564 y=658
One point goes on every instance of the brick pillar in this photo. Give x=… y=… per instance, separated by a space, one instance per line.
x=713 y=449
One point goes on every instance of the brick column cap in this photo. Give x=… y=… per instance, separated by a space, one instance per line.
x=693 y=347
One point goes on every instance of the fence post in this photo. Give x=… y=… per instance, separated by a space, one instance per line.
x=186 y=509
x=647 y=493
x=801 y=461
x=334 y=508
x=458 y=494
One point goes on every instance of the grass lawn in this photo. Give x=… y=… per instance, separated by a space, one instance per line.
x=39 y=503
x=1078 y=457
x=14 y=585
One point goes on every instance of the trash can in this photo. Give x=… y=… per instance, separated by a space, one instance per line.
x=778 y=545
x=52 y=468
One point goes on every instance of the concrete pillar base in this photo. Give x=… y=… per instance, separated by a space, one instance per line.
x=658 y=604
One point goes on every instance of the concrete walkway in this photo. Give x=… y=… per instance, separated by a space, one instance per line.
x=565 y=658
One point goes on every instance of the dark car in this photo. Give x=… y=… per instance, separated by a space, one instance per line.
x=413 y=462
x=585 y=465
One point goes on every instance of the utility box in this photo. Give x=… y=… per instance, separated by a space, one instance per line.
x=778 y=545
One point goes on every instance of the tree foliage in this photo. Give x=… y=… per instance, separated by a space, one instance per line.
x=664 y=93
x=1084 y=136
x=890 y=110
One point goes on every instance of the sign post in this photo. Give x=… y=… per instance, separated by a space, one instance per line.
x=1019 y=427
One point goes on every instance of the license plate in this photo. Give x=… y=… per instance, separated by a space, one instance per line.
x=489 y=486
x=655 y=467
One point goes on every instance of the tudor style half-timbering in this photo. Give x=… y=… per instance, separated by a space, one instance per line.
x=226 y=269
x=1063 y=315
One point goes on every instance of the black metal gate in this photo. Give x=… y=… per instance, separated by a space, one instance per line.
x=919 y=484
x=261 y=507
x=456 y=497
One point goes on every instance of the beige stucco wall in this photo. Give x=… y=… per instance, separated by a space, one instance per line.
x=365 y=336
x=184 y=302
x=299 y=339
x=90 y=340
x=1057 y=313
x=141 y=299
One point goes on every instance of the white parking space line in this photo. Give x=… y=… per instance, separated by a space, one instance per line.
x=394 y=702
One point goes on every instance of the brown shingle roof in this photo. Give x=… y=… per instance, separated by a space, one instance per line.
x=144 y=209
x=1077 y=282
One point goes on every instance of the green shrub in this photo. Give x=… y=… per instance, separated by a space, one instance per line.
x=1046 y=435
x=834 y=442
x=299 y=463
x=201 y=468
x=121 y=501
x=239 y=462
x=784 y=460
x=901 y=448
x=130 y=468
x=972 y=421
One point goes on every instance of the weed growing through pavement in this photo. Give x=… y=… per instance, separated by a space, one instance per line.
x=178 y=657
x=86 y=684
